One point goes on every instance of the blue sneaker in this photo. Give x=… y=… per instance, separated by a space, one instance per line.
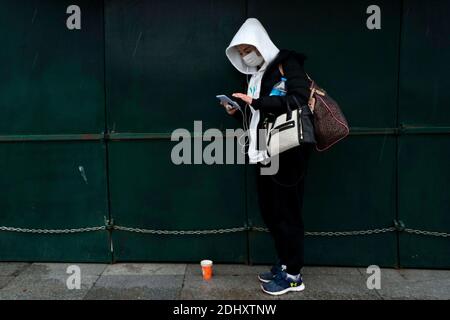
x=270 y=275
x=281 y=284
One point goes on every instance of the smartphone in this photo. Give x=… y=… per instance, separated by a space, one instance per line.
x=232 y=103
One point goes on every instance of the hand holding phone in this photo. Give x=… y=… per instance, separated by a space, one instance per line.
x=225 y=100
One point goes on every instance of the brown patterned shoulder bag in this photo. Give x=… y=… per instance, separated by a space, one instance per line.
x=330 y=124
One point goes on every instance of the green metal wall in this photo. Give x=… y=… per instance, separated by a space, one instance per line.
x=86 y=117
x=424 y=118
x=52 y=119
x=161 y=65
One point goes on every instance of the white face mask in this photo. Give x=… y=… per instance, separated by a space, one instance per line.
x=252 y=59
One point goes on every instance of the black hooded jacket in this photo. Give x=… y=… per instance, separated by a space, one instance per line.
x=297 y=84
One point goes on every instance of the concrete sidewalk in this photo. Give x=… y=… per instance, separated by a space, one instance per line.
x=184 y=281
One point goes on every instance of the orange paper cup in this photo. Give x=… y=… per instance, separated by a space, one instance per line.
x=206 y=269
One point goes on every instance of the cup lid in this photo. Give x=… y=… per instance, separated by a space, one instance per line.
x=206 y=262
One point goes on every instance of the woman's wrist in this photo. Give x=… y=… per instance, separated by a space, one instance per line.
x=256 y=103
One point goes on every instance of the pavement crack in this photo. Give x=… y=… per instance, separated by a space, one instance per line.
x=92 y=286
x=182 y=282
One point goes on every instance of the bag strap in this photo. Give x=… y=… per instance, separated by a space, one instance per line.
x=280 y=67
x=313 y=90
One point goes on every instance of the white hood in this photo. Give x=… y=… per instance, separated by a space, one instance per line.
x=251 y=32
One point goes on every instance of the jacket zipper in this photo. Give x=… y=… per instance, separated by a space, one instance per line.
x=300 y=123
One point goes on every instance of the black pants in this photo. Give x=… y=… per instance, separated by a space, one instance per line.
x=280 y=199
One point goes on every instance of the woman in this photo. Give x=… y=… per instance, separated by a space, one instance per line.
x=281 y=195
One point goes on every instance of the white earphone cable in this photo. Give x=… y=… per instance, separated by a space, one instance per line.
x=245 y=124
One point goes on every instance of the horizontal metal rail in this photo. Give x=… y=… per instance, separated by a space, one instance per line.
x=118 y=136
x=52 y=137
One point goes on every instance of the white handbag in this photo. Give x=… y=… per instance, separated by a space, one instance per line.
x=285 y=132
